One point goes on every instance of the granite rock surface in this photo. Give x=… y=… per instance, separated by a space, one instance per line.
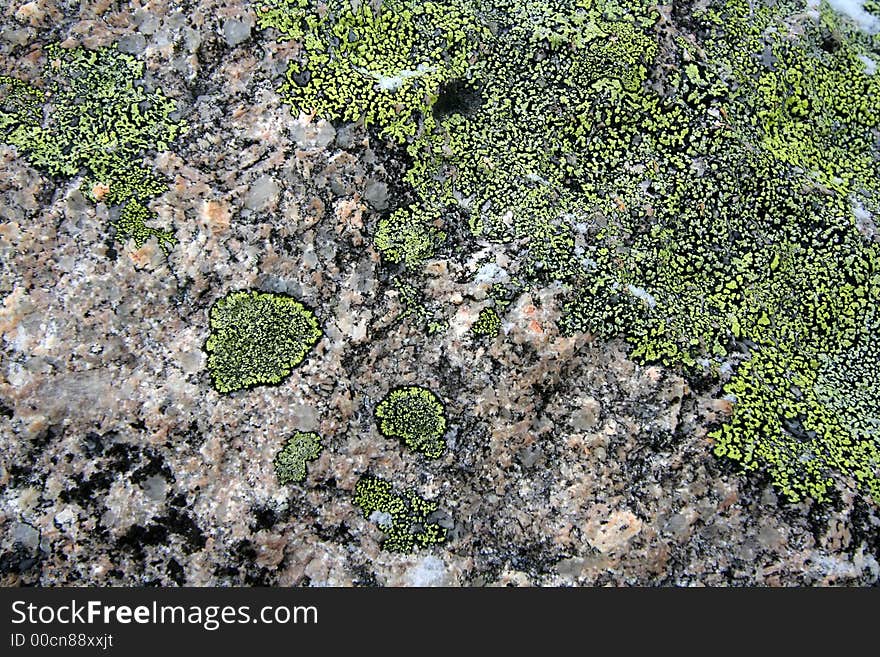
x=568 y=463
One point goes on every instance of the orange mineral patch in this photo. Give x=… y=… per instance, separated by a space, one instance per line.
x=100 y=190
x=215 y=216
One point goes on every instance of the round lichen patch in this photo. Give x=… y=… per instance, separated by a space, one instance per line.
x=257 y=338
x=414 y=415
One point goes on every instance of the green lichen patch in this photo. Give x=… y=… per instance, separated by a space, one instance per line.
x=257 y=338
x=414 y=415
x=693 y=195
x=488 y=323
x=408 y=237
x=380 y=63
x=93 y=116
x=132 y=223
x=403 y=516
x=21 y=109
x=290 y=462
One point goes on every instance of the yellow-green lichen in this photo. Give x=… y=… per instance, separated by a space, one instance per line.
x=403 y=516
x=132 y=223
x=92 y=115
x=380 y=63
x=693 y=195
x=290 y=462
x=488 y=323
x=408 y=237
x=257 y=338
x=414 y=415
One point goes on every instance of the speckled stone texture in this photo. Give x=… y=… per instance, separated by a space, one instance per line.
x=568 y=463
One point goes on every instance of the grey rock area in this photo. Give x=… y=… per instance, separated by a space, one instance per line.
x=236 y=31
x=567 y=463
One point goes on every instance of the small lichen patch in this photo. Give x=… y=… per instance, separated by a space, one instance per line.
x=488 y=323
x=290 y=462
x=403 y=516
x=414 y=415
x=408 y=237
